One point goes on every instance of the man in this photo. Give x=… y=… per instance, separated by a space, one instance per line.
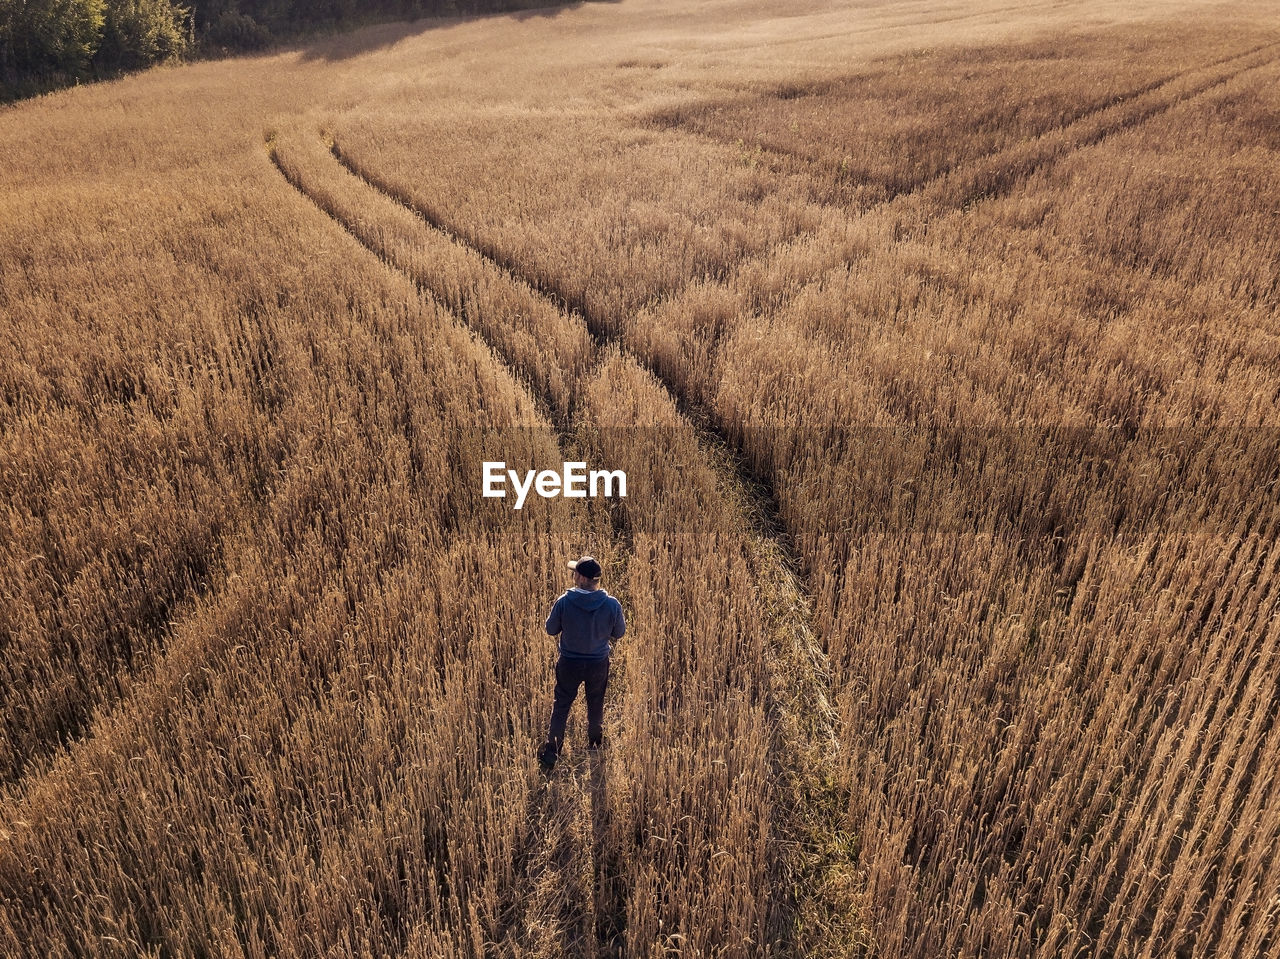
x=586 y=618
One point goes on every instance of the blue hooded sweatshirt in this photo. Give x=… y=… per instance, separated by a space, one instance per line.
x=586 y=620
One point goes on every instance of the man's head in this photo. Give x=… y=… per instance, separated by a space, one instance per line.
x=586 y=572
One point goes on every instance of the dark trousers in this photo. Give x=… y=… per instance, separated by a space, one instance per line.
x=570 y=674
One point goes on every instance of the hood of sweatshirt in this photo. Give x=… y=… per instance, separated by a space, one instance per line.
x=589 y=602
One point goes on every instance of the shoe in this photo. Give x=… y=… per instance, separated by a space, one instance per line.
x=548 y=754
x=595 y=744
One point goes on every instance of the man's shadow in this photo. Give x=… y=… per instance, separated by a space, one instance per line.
x=609 y=880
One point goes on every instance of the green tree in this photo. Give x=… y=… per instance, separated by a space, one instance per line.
x=49 y=37
x=139 y=32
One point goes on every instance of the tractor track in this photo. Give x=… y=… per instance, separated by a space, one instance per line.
x=987 y=176
x=812 y=841
x=547 y=861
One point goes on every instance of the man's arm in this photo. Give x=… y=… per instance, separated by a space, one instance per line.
x=553 y=621
x=619 y=622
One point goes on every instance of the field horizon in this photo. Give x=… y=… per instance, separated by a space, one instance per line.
x=939 y=344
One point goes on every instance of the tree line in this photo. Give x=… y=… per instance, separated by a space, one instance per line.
x=50 y=43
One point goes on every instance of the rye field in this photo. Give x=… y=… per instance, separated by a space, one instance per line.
x=939 y=343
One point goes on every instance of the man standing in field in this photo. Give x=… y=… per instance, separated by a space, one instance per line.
x=586 y=618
